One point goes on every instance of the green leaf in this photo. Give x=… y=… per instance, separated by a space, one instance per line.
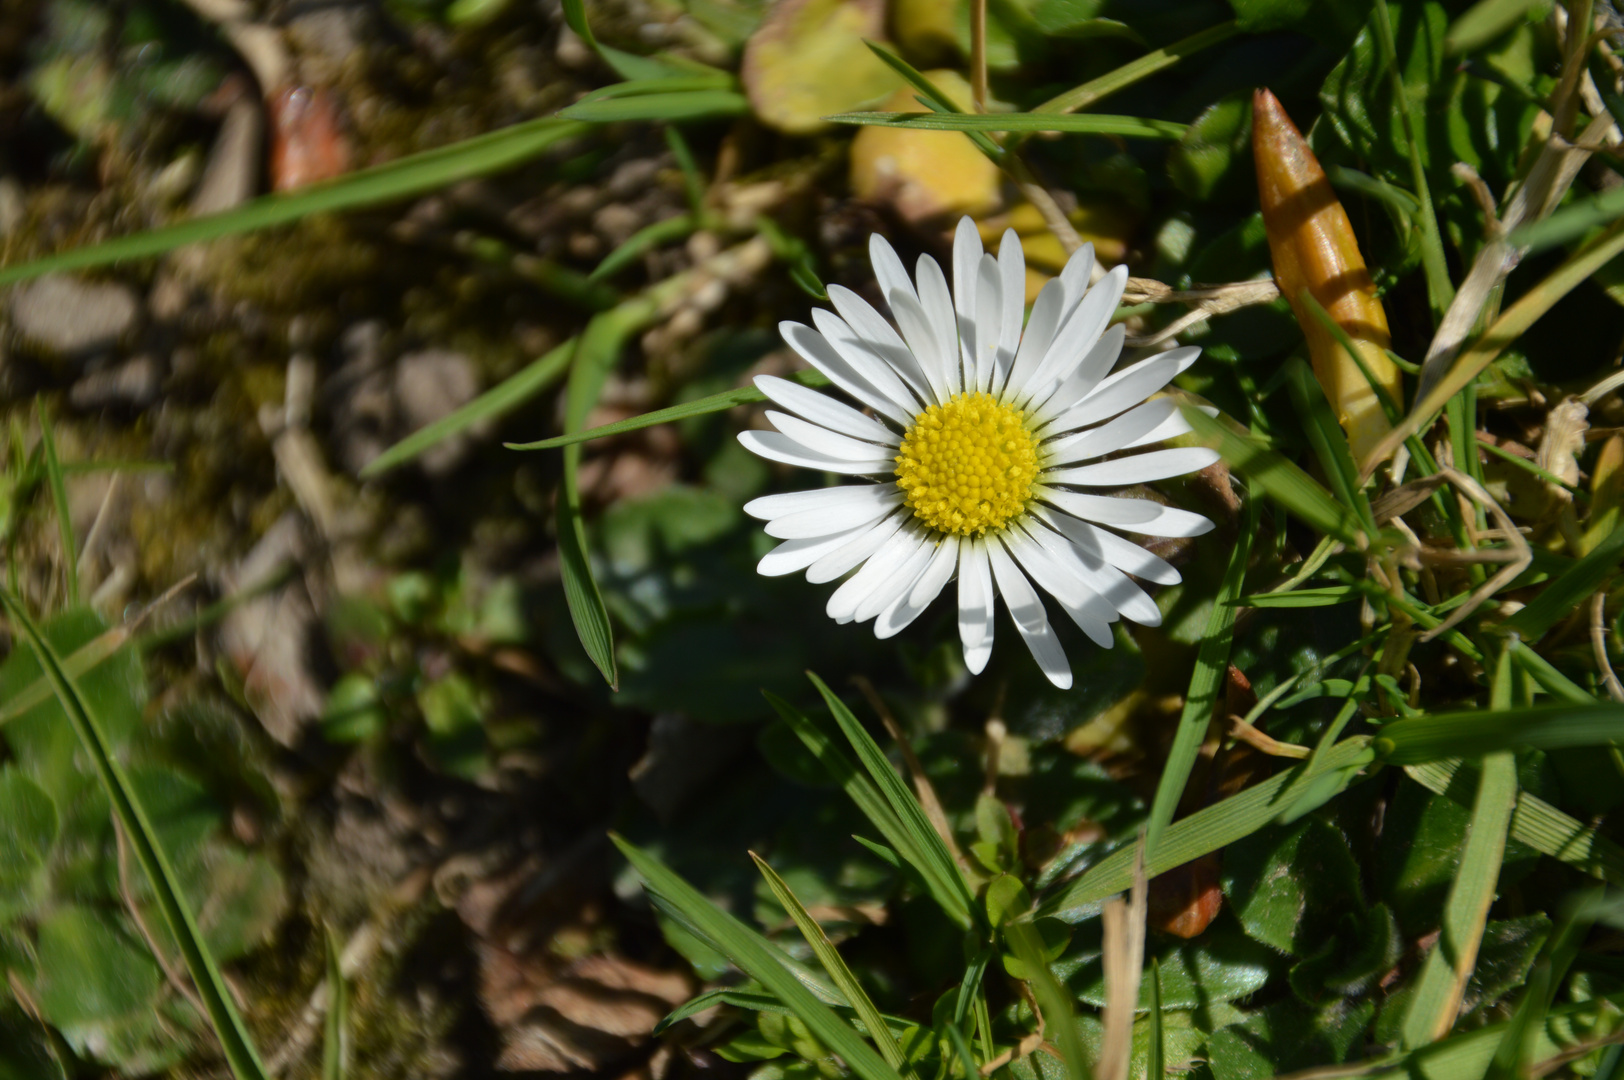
x=645 y=240
x=479 y=156
x=335 y=1037
x=28 y=829
x=1211 y=664
x=1469 y=734
x=1570 y=223
x=90 y=974
x=704 y=406
x=237 y=1045
x=1326 y=437
x=59 y=499
x=1209 y=152
x=1081 y=97
x=1052 y=997
x=1206 y=830
x=1290 y=886
x=1562 y=595
x=1327 y=596
x=627 y=65
x=1486 y=20
x=666 y=107
x=1132 y=127
x=744 y=948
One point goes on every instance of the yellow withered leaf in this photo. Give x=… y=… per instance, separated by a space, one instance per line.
x=925 y=175
x=807 y=60
x=1313 y=248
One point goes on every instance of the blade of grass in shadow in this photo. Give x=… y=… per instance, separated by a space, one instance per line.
x=674 y=105
x=1080 y=97
x=830 y=958
x=1131 y=127
x=1155 y=1059
x=59 y=499
x=1329 y=443
x=335 y=1038
x=1278 y=478
x=643 y=241
x=414 y=175
x=743 y=947
x=1211 y=664
x=727 y=399
x=1442 y=981
x=240 y=1053
x=1562 y=595
x=1059 y=1023
x=904 y=804
x=1206 y=830
x=905 y=843
x=1468 y=733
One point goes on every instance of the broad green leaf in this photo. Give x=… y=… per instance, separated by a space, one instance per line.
x=91 y=973
x=1290 y=886
x=745 y=949
x=1215 y=150
x=414 y=175
x=1469 y=734
x=28 y=829
x=237 y=1045
x=1223 y=965
x=727 y=399
x=1486 y=20
x=1208 y=829
x=1132 y=127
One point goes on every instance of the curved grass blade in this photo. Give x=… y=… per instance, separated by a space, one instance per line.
x=627 y=65
x=479 y=156
x=1080 y=97
x=241 y=1055
x=674 y=105
x=744 y=947
x=1132 y=127
x=644 y=240
x=1469 y=734
x=1564 y=594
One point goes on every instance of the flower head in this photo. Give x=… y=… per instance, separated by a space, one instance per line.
x=980 y=449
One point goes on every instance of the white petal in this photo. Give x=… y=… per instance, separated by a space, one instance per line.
x=864 y=542
x=821 y=353
x=937 y=302
x=1078 y=548
x=1083 y=379
x=1102 y=508
x=888 y=268
x=1138 y=469
x=1030 y=618
x=1122 y=432
x=825 y=410
x=820 y=440
x=1172 y=428
x=1126 y=388
x=795 y=555
x=1040 y=328
x=1171 y=521
x=1074 y=340
x=899 y=582
x=924 y=588
x=1012 y=277
x=796 y=502
x=1087 y=609
x=1074 y=278
x=1130 y=558
x=776 y=446
x=876 y=573
x=928 y=348
x=966 y=265
x=842 y=517
x=872 y=349
x=975 y=604
x=989 y=320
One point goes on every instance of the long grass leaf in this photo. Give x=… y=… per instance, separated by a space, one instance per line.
x=1442 y=982
x=414 y=175
x=832 y=962
x=1563 y=594
x=1470 y=734
x=1206 y=830
x=59 y=501
x=727 y=399
x=643 y=241
x=336 y=1033
x=1131 y=127
x=1080 y=97
x=1059 y=1022
x=241 y=1055
x=627 y=65
x=1155 y=1056
x=1277 y=478
x=676 y=105
x=742 y=946
x=1211 y=665
x=1326 y=437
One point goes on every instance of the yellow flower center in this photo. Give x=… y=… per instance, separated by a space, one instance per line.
x=967 y=466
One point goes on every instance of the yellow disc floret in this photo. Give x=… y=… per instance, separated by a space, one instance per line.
x=967 y=466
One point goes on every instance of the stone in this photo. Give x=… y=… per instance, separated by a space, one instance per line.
x=133 y=384
x=72 y=317
x=430 y=385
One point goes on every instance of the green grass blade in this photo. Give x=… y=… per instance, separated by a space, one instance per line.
x=335 y=1039
x=968 y=1060
x=1080 y=97
x=1486 y=20
x=1551 y=680
x=1131 y=127
x=1536 y=823
x=1328 y=596
x=643 y=241
x=238 y=1046
x=903 y=803
x=1277 y=478
x=1211 y=664
x=1565 y=593
x=59 y=500
x=1470 y=734
x=932 y=98
x=1059 y=1023
x=504 y=397
x=667 y=84
x=1442 y=982
x=1206 y=830
x=1569 y=223
x=1155 y=1056
x=704 y=406
x=693 y=184
x=745 y=948
x=627 y=65
x=414 y=175
x=1326 y=437
x=832 y=962
x=676 y=105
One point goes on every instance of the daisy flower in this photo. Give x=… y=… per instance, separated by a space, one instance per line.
x=982 y=452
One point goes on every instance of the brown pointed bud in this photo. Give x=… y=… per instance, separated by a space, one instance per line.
x=1313 y=247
